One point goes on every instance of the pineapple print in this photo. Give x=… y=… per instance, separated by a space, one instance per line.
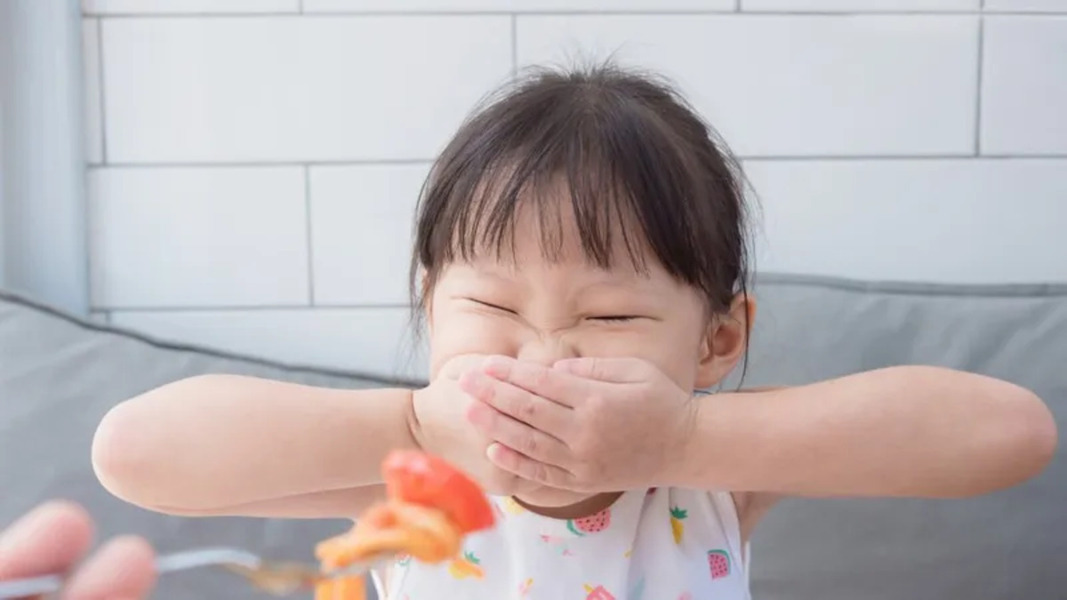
x=677 y=527
x=468 y=566
x=512 y=507
x=524 y=587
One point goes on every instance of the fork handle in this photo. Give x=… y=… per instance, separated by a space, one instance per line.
x=179 y=561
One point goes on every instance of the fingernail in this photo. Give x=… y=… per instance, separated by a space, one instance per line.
x=476 y=413
x=469 y=380
x=493 y=366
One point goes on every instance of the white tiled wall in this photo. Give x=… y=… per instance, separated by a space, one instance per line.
x=255 y=163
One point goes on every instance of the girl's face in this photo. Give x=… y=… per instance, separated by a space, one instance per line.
x=531 y=308
x=534 y=309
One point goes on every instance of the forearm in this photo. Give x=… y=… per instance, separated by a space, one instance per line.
x=221 y=441
x=904 y=431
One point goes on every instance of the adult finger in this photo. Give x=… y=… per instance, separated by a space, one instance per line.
x=610 y=370
x=124 y=568
x=530 y=469
x=537 y=412
x=51 y=538
x=503 y=429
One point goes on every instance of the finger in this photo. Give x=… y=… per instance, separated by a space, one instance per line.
x=49 y=539
x=530 y=469
x=122 y=568
x=611 y=370
x=503 y=429
x=554 y=384
x=459 y=365
x=537 y=412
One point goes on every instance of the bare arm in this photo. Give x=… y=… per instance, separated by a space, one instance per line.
x=237 y=445
x=332 y=504
x=902 y=431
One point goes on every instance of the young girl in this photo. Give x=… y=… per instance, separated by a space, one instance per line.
x=580 y=258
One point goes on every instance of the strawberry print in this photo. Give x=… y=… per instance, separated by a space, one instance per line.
x=719 y=563
x=598 y=593
x=591 y=524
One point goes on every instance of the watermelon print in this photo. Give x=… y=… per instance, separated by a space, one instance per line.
x=719 y=563
x=590 y=524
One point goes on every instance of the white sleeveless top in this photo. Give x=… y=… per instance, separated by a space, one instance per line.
x=659 y=544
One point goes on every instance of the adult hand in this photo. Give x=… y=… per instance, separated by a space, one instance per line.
x=440 y=427
x=55 y=536
x=587 y=424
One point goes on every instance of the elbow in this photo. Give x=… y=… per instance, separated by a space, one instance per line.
x=136 y=454
x=1039 y=435
x=1022 y=441
x=124 y=458
x=117 y=461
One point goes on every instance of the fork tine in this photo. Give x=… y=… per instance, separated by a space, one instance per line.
x=206 y=557
x=169 y=563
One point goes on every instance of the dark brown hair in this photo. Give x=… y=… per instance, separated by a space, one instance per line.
x=634 y=157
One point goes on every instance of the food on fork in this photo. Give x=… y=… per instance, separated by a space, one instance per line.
x=430 y=507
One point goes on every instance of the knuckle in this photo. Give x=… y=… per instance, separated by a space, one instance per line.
x=527 y=408
x=529 y=445
x=539 y=377
x=595 y=404
x=541 y=473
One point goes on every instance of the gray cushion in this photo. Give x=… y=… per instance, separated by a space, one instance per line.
x=58 y=376
x=1006 y=545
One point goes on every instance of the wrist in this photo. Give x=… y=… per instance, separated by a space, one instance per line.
x=697 y=457
x=413 y=439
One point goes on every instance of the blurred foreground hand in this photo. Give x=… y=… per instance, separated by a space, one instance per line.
x=55 y=537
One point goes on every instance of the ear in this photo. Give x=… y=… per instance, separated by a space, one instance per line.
x=726 y=341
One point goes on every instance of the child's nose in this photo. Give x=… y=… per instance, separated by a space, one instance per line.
x=547 y=350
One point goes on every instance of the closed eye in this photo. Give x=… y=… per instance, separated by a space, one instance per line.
x=492 y=306
x=615 y=318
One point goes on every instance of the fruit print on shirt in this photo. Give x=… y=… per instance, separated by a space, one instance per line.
x=591 y=524
x=512 y=506
x=597 y=593
x=468 y=566
x=677 y=527
x=719 y=563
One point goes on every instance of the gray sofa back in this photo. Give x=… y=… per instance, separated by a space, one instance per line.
x=58 y=376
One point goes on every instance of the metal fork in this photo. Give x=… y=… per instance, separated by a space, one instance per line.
x=274 y=577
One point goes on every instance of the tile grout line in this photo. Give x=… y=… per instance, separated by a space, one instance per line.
x=100 y=86
x=514 y=45
x=308 y=232
x=248 y=308
x=978 y=88
x=420 y=162
x=566 y=13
